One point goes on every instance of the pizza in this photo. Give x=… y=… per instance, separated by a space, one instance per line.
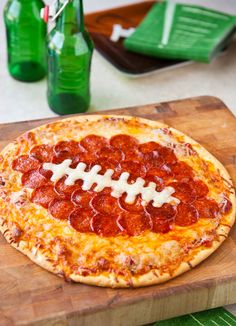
x=113 y=201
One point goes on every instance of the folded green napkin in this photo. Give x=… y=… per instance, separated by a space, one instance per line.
x=213 y=317
x=178 y=31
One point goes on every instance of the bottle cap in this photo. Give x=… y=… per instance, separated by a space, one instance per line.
x=44 y=14
x=51 y=11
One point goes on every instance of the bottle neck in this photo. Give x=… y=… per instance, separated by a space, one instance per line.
x=71 y=20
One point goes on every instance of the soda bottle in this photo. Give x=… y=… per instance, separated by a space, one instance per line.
x=69 y=59
x=26 y=39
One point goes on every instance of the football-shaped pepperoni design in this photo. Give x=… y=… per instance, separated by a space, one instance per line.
x=99 y=212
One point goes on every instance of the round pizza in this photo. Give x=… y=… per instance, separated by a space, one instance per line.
x=113 y=201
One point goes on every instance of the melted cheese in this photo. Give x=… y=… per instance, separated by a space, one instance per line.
x=18 y=198
x=119 y=187
x=164 y=138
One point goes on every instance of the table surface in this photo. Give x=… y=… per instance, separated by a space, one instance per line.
x=112 y=89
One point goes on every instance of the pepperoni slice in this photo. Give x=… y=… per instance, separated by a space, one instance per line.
x=183 y=191
x=106 y=191
x=93 y=143
x=150 y=147
x=182 y=171
x=70 y=147
x=160 y=225
x=124 y=142
x=168 y=155
x=43 y=195
x=135 y=224
x=60 y=157
x=67 y=150
x=25 y=163
x=60 y=209
x=199 y=187
x=158 y=181
x=225 y=205
x=80 y=220
x=82 y=198
x=152 y=154
x=165 y=212
x=85 y=157
x=106 y=225
x=153 y=160
x=33 y=179
x=105 y=204
x=106 y=164
x=46 y=173
x=44 y=153
x=166 y=170
x=111 y=153
x=135 y=169
x=187 y=215
x=207 y=208
x=163 y=172
x=136 y=207
x=133 y=155
x=64 y=190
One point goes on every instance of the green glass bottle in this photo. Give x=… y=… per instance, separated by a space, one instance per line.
x=26 y=39
x=69 y=59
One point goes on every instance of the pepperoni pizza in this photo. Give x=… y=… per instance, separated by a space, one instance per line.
x=113 y=201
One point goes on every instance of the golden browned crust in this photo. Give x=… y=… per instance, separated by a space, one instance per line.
x=154 y=276
x=116 y=281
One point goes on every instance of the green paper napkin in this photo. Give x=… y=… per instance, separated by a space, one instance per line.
x=213 y=317
x=178 y=31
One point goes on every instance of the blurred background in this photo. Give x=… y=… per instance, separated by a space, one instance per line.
x=112 y=88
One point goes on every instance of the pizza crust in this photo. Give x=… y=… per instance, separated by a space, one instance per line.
x=115 y=281
x=153 y=276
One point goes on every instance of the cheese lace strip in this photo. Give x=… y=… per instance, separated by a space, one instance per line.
x=119 y=187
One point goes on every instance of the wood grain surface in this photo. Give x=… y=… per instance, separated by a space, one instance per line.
x=30 y=295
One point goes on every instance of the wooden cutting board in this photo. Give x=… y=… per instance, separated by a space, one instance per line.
x=30 y=295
